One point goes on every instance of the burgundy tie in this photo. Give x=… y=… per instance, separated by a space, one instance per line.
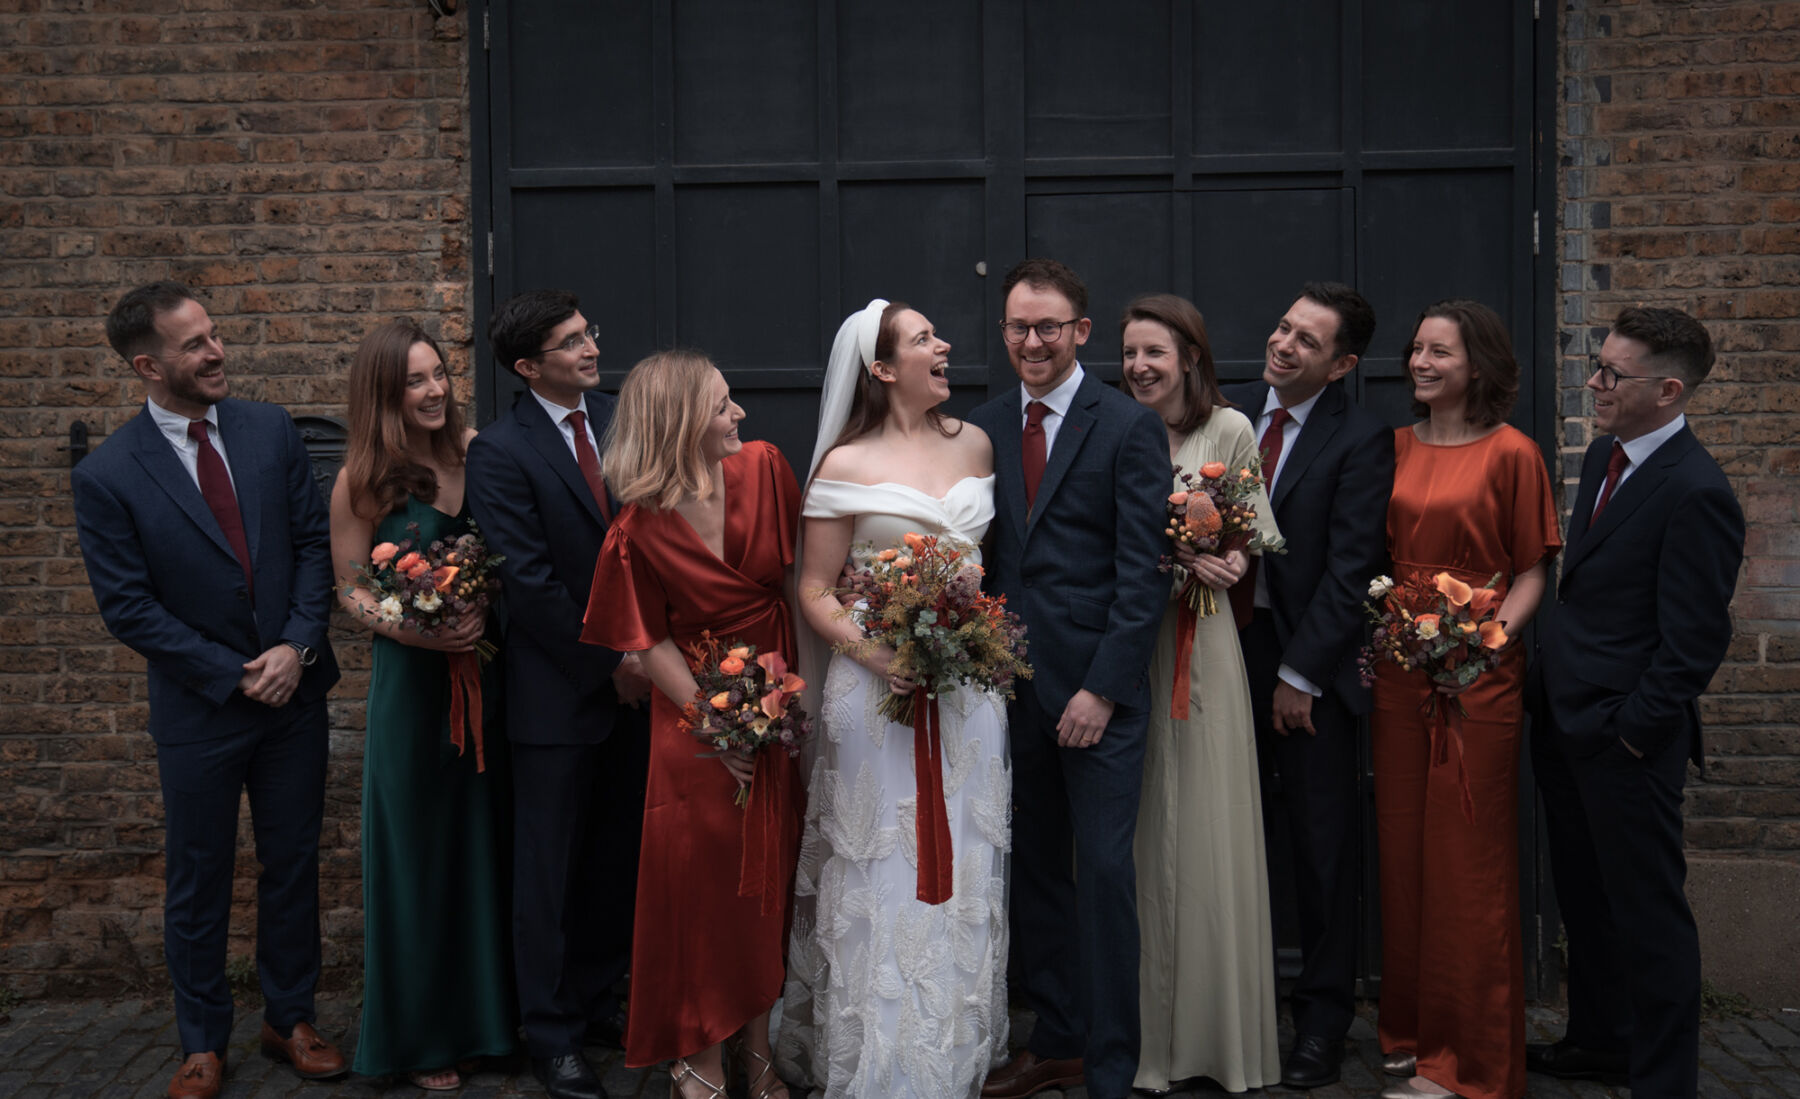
x=1243 y=593
x=589 y=463
x=1615 y=468
x=1033 y=450
x=215 y=485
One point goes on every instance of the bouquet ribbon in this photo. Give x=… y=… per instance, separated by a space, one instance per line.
x=1444 y=719
x=768 y=849
x=1187 y=620
x=465 y=704
x=931 y=816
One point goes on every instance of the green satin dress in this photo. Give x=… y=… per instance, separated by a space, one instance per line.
x=437 y=926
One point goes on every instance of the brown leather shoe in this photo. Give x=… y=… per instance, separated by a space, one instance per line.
x=200 y=1077
x=313 y=1057
x=1027 y=1074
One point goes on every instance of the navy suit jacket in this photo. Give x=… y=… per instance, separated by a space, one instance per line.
x=1642 y=616
x=169 y=586
x=535 y=507
x=1331 y=504
x=1080 y=568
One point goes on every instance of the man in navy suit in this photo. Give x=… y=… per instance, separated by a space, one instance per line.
x=1329 y=465
x=1081 y=472
x=580 y=757
x=209 y=553
x=1642 y=620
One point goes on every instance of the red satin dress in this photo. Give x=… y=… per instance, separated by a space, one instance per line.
x=714 y=881
x=1453 y=982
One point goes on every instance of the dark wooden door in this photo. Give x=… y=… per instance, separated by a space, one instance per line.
x=739 y=176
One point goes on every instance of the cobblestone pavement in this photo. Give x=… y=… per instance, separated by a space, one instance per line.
x=127 y=1050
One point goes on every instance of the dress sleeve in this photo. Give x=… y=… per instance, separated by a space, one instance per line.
x=1535 y=537
x=786 y=496
x=627 y=610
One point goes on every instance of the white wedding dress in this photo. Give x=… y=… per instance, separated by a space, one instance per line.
x=886 y=995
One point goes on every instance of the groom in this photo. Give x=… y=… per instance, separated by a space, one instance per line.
x=1080 y=475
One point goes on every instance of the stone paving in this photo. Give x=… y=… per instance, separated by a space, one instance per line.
x=127 y=1050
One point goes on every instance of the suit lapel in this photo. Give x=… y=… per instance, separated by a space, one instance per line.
x=1326 y=417
x=1008 y=461
x=1069 y=437
x=1627 y=498
x=547 y=439
x=245 y=454
x=166 y=472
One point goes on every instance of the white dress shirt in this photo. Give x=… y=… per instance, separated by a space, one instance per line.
x=174 y=427
x=1290 y=432
x=1638 y=451
x=1057 y=401
x=560 y=417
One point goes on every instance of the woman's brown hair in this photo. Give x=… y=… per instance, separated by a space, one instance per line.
x=1199 y=380
x=1493 y=371
x=380 y=467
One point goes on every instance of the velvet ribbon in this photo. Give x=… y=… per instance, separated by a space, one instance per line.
x=766 y=855
x=465 y=704
x=1187 y=621
x=931 y=816
x=1444 y=722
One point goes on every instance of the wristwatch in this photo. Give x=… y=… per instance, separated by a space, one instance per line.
x=307 y=654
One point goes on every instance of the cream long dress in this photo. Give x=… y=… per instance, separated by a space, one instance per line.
x=1207 y=996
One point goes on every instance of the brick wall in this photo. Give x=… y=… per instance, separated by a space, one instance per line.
x=1680 y=144
x=305 y=168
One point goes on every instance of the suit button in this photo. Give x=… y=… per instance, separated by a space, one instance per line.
x=1030 y=583
x=242 y=596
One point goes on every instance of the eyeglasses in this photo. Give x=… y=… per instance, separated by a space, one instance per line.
x=1048 y=331
x=1610 y=378
x=590 y=334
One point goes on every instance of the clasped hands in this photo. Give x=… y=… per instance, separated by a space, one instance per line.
x=1216 y=571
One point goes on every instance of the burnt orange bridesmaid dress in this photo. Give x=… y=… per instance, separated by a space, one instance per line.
x=714 y=880
x=1452 y=983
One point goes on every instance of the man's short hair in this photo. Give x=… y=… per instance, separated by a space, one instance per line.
x=519 y=326
x=1042 y=274
x=131 y=326
x=1678 y=343
x=1356 y=317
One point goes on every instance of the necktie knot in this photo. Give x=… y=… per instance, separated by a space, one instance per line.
x=197 y=431
x=1035 y=413
x=1278 y=419
x=1618 y=460
x=578 y=421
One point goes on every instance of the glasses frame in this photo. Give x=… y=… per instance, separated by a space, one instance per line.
x=1610 y=378
x=1055 y=336
x=590 y=334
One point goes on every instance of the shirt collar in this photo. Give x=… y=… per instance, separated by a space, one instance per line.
x=1059 y=399
x=1638 y=450
x=1299 y=412
x=556 y=412
x=174 y=424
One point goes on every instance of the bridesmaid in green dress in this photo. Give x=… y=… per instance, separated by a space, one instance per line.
x=437 y=991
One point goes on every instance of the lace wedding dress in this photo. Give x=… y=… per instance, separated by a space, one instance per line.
x=886 y=995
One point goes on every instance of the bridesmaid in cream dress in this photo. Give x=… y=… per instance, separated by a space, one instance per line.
x=1207 y=997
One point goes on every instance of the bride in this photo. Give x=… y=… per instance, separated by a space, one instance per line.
x=888 y=995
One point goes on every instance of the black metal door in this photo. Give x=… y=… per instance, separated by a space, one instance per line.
x=738 y=176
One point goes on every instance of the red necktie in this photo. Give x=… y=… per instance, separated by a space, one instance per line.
x=1033 y=451
x=1243 y=593
x=589 y=463
x=1615 y=468
x=215 y=486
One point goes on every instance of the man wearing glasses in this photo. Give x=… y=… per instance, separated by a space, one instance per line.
x=1641 y=623
x=579 y=751
x=1081 y=471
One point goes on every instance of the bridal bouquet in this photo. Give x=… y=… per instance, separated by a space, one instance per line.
x=1214 y=513
x=925 y=601
x=746 y=701
x=424 y=588
x=1446 y=629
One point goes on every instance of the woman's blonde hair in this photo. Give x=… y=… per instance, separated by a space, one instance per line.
x=653 y=444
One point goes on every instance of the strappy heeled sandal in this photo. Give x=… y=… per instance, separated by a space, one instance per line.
x=757 y=1088
x=680 y=1071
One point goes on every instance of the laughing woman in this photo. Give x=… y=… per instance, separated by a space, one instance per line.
x=1471 y=498
x=437 y=989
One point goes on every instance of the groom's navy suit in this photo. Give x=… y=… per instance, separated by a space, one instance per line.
x=169 y=586
x=1640 y=623
x=1080 y=568
x=579 y=758
x=1331 y=503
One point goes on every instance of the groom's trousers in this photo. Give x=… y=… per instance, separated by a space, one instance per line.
x=1074 y=889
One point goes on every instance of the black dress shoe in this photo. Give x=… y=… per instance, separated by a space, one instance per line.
x=1567 y=1061
x=1313 y=1063
x=567 y=1077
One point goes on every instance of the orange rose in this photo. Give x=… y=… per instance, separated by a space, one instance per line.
x=382 y=554
x=1178 y=498
x=418 y=568
x=406 y=563
x=1493 y=635
x=721 y=701
x=742 y=652
x=1454 y=590
x=1212 y=471
x=445 y=576
x=887 y=555
x=914 y=541
x=903 y=562
x=731 y=665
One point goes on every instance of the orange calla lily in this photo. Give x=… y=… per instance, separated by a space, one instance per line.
x=445 y=576
x=773 y=664
x=1493 y=635
x=1482 y=601
x=1454 y=590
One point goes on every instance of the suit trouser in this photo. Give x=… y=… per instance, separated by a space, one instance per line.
x=1312 y=778
x=1074 y=889
x=281 y=764
x=1616 y=858
x=578 y=819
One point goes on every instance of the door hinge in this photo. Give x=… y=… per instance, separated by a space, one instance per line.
x=1534 y=233
x=490 y=255
x=487 y=33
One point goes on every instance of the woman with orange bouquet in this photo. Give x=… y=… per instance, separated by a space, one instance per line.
x=437 y=926
x=1207 y=997
x=1471 y=501
x=701 y=552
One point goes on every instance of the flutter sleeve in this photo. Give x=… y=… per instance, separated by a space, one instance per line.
x=628 y=610
x=1535 y=537
x=785 y=491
